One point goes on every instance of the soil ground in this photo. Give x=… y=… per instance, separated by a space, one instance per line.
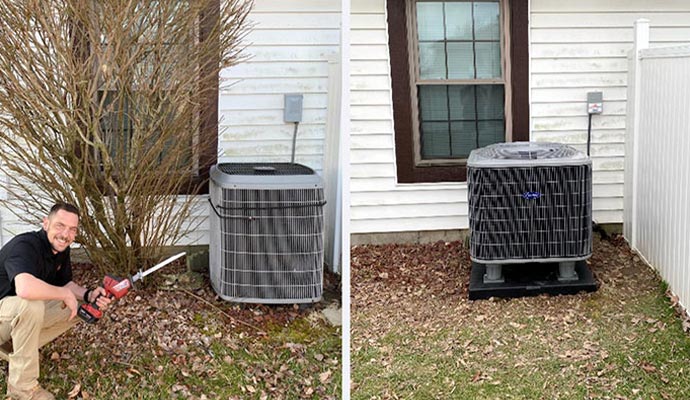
x=416 y=335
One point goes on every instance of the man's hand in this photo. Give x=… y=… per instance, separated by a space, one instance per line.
x=70 y=302
x=31 y=288
x=103 y=301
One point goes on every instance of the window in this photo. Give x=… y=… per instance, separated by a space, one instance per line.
x=128 y=105
x=455 y=67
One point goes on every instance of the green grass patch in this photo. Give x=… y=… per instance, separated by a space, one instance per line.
x=194 y=358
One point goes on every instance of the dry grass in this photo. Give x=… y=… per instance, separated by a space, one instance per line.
x=416 y=335
x=171 y=340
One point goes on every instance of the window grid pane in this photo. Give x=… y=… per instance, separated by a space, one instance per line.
x=458 y=40
x=456 y=119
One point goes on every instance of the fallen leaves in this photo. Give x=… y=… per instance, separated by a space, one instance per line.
x=160 y=340
x=324 y=377
x=74 y=392
x=411 y=320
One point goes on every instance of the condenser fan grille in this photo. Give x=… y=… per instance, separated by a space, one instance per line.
x=269 y=243
x=265 y=169
x=525 y=153
x=530 y=213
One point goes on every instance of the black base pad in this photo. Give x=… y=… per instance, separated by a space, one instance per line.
x=530 y=279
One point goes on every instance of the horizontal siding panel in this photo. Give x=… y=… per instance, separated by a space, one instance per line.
x=362 y=67
x=574 y=109
x=370 y=82
x=607 y=216
x=580 y=50
x=372 y=170
x=607 y=191
x=294 y=37
x=367 y=6
x=368 y=36
x=579 y=79
x=607 y=203
x=580 y=136
x=547 y=94
x=369 y=52
x=292 y=53
x=575 y=122
x=371 y=184
x=608 y=177
x=403 y=224
x=608 y=6
x=623 y=19
x=282 y=149
x=607 y=163
x=371 y=141
x=368 y=21
x=371 y=112
x=281 y=131
x=367 y=127
x=300 y=7
x=371 y=155
x=550 y=65
x=581 y=35
x=265 y=117
x=275 y=85
x=389 y=184
x=302 y=20
x=409 y=210
x=608 y=35
x=410 y=197
x=278 y=69
x=275 y=101
x=370 y=98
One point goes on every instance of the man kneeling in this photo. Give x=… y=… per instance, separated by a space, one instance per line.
x=38 y=299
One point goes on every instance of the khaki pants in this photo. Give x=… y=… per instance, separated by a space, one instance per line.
x=30 y=324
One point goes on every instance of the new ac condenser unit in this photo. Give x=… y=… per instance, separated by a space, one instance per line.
x=529 y=202
x=266 y=238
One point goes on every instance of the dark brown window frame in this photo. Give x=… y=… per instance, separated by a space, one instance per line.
x=407 y=170
x=208 y=114
x=209 y=79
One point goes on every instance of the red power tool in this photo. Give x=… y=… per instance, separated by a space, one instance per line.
x=118 y=287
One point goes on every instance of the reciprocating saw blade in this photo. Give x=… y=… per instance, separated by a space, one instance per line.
x=140 y=275
x=115 y=288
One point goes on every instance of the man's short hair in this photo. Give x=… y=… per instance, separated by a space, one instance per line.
x=63 y=206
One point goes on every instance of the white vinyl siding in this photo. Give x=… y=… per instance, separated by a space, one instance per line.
x=576 y=47
x=378 y=202
x=289 y=49
x=579 y=47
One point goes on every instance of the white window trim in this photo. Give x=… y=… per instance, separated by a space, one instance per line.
x=413 y=53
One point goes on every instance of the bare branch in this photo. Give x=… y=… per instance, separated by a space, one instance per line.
x=100 y=105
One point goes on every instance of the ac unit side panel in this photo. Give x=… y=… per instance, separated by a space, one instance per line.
x=530 y=213
x=270 y=245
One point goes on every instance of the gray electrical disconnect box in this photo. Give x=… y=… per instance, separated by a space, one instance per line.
x=595 y=103
x=293 y=108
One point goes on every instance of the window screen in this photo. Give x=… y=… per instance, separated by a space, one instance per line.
x=460 y=90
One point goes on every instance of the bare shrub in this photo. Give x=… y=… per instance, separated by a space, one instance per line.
x=105 y=104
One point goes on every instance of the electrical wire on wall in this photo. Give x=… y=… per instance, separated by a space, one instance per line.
x=294 y=142
x=595 y=105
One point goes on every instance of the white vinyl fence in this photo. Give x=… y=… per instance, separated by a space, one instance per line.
x=657 y=159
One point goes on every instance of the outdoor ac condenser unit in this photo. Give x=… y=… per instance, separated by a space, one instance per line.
x=266 y=240
x=529 y=202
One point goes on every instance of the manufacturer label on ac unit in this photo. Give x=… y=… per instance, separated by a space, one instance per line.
x=531 y=195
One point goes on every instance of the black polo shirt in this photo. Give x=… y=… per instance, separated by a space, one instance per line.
x=31 y=252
